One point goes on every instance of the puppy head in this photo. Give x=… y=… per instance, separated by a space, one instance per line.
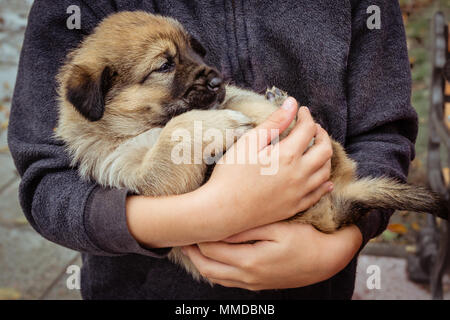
x=137 y=71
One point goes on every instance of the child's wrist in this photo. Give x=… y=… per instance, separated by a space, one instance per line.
x=213 y=214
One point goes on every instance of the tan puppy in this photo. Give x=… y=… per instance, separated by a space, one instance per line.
x=139 y=77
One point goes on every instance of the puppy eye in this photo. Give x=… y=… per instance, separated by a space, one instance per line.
x=166 y=67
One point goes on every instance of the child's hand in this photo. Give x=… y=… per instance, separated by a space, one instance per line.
x=289 y=255
x=246 y=198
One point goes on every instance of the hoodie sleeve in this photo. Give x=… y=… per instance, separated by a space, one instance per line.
x=56 y=201
x=382 y=125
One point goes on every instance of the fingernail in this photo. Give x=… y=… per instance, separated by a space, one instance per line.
x=330 y=187
x=288 y=104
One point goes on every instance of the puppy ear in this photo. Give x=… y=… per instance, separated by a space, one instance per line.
x=197 y=46
x=86 y=92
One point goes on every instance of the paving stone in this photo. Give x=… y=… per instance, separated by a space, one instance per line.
x=7 y=168
x=30 y=264
x=17 y=6
x=395 y=284
x=60 y=290
x=11 y=214
x=13 y=21
x=8 y=171
x=8 y=72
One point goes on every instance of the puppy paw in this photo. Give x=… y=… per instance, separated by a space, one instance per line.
x=276 y=96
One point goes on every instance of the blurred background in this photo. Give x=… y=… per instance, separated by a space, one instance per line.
x=33 y=268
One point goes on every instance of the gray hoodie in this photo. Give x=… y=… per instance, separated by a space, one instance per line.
x=355 y=80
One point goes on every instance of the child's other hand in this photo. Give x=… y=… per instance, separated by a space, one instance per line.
x=287 y=255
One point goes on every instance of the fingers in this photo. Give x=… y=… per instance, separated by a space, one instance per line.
x=235 y=284
x=313 y=197
x=319 y=177
x=210 y=268
x=218 y=263
x=301 y=135
x=319 y=153
x=229 y=254
x=276 y=123
x=255 y=234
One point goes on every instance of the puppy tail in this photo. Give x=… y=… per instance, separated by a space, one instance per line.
x=385 y=193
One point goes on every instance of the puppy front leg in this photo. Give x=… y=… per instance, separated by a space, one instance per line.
x=143 y=165
x=254 y=105
x=177 y=162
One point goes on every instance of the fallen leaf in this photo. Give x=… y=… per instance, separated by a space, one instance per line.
x=4 y=149
x=21 y=221
x=415 y=226
x=405 y=18
x=411 y=249
x=416 y=163
x=9 y=294
x=389 y=235
x=446 y=174
x=6 y=85
x=397 y=228
x=4 y=125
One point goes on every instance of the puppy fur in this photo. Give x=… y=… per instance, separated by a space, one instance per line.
x=139 y=77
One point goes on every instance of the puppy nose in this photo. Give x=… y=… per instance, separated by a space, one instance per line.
x=214 y=84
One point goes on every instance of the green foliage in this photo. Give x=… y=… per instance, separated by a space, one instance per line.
x=418 y=16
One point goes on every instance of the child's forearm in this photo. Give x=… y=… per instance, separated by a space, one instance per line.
x=177 y=220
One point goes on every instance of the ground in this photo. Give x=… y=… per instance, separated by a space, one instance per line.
x=31 y=267
x=34 y=268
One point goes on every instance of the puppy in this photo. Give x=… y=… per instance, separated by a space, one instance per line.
x=140 y=77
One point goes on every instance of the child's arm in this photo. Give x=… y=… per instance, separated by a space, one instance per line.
x=238 y=197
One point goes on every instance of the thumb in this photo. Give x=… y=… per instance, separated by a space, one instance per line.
x=276 y=123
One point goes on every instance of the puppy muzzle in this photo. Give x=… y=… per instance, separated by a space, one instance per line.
x=207 y=89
